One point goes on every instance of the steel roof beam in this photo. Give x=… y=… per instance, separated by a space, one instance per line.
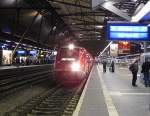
x=70 y=4
x=87 y=23
x=89 y=29
x=83 y=14
x=77 y=19
x=26 y=8
x=90 y=14
x=86 y=30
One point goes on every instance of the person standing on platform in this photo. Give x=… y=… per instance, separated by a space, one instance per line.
x=104 y=66
x=145 y=71
x=112 y=66
x=134 y=69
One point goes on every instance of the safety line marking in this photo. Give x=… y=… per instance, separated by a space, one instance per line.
x=108 y=100
x=118 y=93
x=78 y=107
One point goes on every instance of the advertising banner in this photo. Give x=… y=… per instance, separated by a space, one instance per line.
x=6 y=57
x=114 y=49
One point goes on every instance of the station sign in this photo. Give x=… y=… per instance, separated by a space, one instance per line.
x=127 y=32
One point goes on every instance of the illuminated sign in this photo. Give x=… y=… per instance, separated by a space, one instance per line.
x=114 y=49
x=33 y=52
x=124 y=35
x=127 y=32
x=123 y=47
x=21 y=52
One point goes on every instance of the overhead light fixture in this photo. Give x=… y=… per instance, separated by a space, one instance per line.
x=8 y=41
x=31 y=14
x=134 y=0
x=39 y=17
x=54 y=28
x=9 y=2
x=99 y=26
x=97 y=32
x=99 y=36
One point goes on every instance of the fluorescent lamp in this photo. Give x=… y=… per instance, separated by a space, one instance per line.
x=141 y=13
x=99 y=26
x=54 y=28
x=97 y=32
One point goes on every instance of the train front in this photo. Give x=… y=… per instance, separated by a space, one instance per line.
x=68 y=68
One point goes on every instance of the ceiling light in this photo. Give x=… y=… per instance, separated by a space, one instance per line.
x=99 y=26
x=31 y=14
x=97 y=32
x=8 y=41
x=134 y=0
x=9 y=2
x=54 y=28
x=99 y=36
x=39 y=17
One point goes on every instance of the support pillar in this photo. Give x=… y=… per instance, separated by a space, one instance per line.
x=145 y=47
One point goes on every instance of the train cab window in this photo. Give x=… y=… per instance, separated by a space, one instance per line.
x=69 y=54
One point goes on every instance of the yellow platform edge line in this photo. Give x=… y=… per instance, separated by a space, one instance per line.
x=108 y=100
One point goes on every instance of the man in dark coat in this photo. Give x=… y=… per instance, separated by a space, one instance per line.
x=134 y=70
x=145 y=71
x=104 y=66
x=113 y=66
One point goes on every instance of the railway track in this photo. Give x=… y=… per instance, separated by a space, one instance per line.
x=22 y=78
x=54 y=102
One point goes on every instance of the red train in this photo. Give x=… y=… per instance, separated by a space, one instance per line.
x=73 y=64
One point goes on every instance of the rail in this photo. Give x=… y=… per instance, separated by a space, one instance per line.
x=16 y=78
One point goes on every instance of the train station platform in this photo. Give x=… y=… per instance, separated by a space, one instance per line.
x=111 y=94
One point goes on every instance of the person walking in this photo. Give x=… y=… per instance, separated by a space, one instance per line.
x=113 y=66
x=134 y=69
x=145 y=71
x=104 y=66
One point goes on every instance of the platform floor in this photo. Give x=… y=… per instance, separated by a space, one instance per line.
x=111 y=94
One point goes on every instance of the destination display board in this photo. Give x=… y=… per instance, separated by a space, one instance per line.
x=127 y=32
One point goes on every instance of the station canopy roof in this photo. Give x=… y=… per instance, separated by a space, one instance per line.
x=49 y=22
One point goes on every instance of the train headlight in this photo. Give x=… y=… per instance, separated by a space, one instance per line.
x=71 y=46
x=75 y=66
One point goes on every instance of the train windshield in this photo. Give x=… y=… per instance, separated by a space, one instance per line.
x=69 y=55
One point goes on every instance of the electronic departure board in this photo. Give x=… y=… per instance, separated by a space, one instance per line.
x=127 y=32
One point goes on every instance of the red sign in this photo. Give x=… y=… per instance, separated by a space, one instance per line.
x=123 y=47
